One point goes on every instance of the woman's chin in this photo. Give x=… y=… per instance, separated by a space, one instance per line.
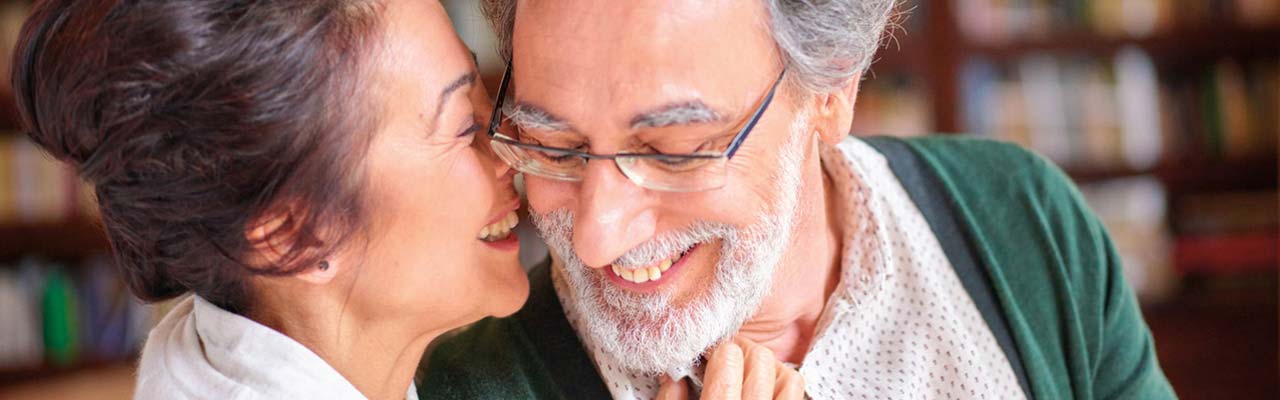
x=509 y=292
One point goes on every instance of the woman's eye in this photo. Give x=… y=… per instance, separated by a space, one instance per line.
x=473 y=129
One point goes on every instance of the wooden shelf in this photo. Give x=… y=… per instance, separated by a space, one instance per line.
x=1230 y=253
x=9 y=120
x=1182 y=44
x=69 y=239
x=1192 y=175
x=1216 y=338
x=28 y=374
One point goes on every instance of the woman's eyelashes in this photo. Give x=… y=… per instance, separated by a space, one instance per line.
x=472 y=129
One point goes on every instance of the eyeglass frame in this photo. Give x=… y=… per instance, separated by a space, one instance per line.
x=728 y=153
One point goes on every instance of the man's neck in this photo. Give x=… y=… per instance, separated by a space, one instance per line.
x=806 y=276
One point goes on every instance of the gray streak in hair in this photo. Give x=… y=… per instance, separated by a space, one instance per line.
x=526 y=116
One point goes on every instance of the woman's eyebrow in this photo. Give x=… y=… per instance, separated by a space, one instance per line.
x=462 y=81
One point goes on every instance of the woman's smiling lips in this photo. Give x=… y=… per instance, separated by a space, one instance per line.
x=498 y=232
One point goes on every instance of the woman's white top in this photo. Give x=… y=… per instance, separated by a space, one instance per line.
x=200 y=351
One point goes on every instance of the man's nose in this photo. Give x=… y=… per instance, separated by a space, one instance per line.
x=614 y=215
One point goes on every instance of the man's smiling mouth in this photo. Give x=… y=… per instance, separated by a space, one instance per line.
x=649 y=273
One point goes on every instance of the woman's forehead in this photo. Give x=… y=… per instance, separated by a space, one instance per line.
x=421 y=56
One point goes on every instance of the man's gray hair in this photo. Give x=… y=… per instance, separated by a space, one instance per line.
x=825 y=42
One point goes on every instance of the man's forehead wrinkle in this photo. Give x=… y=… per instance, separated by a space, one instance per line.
x=554 y=97
x=631 y=67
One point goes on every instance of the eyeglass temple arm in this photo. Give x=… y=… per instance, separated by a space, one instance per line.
x=751 y=124
x=496 y=118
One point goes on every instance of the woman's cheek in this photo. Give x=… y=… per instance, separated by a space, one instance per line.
x=469 y=191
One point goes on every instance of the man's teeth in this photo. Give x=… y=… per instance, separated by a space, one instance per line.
x=501 y=229
x=643 y=274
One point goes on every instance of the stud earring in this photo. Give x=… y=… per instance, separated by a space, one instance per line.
x=324 y=265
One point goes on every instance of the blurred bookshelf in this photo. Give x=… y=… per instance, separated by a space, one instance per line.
x=1182 y=92
x=64 y=308
x=1166 y=113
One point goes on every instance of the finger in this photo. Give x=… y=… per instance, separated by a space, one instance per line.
x=743 y=342
x=723 y=379
x=790 y=385
x=673 y=390
x=761 y=373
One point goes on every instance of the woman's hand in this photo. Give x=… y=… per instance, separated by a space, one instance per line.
x=741 y=370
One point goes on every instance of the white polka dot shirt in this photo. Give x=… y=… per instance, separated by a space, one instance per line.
x=900 y=324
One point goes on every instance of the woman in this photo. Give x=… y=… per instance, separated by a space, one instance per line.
x=305 y=168
x=308 y=169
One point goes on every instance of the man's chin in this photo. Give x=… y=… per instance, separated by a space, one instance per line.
x=643 y=333
x=649 y=345
x=626 y=305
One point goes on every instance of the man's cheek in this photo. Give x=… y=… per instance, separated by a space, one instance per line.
x=546 y=195
x=737 y=205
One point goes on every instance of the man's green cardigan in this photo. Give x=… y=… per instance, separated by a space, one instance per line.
x=1038 y=264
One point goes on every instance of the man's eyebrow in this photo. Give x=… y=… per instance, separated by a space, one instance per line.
x=682 y=113
x=528 y=116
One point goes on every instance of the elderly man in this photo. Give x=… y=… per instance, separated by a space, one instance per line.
x=688 y=164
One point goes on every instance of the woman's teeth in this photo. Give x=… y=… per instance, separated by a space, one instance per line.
x=644 y=274
x=501 y=229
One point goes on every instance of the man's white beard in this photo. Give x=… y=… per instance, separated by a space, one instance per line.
x=647 y=333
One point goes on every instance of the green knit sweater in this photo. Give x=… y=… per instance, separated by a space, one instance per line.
x=1075 y=328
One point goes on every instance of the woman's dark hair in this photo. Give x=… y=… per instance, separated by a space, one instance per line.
x=196 y=119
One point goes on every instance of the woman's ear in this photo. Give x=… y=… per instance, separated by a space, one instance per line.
x=834 y=115
x=273 y=236
x=269 y=237
x=320 y=274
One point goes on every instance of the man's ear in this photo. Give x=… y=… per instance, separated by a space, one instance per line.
x=834 y=115
x=272 y=237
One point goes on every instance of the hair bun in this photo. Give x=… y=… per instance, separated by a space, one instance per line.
x=47 y=123
x=61 y=146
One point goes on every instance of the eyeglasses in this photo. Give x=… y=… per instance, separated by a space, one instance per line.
x=696 y=172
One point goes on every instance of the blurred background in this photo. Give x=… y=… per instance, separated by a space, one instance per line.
x=1165 y=112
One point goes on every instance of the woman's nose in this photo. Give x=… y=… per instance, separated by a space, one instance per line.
x=500 y=168
x=483 y=107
